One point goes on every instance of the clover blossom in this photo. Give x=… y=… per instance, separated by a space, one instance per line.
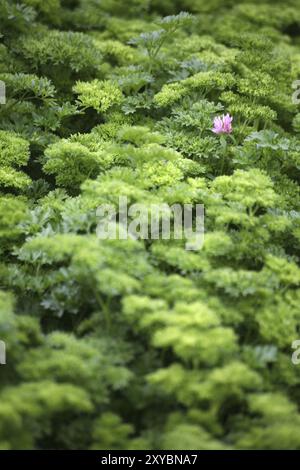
x=222 y=125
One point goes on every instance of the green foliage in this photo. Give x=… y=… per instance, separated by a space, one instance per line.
x=14 y=152
x=142 y=344
x=98 y=95
x=52 y=48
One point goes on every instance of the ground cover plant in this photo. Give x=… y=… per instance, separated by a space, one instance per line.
x=141 y=344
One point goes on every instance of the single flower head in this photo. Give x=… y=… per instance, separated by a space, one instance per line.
x=222 y=125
